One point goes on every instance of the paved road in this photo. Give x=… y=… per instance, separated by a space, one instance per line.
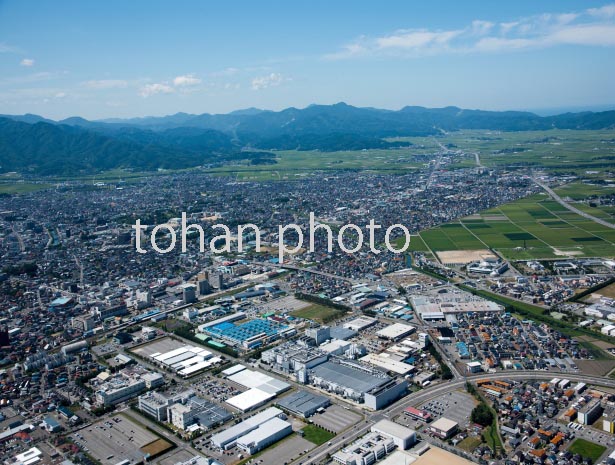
x=563 y=203
x=478 y=163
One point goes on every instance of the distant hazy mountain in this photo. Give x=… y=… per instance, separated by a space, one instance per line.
x=31 y=143
x=343 y=118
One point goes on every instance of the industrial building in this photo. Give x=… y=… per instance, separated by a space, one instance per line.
x=303 y=403
x=366 y=450
x=257 y=380
x=352 y=380
x=453 y=302
x=183 y=409
x=111 y=390
x=403 y=437
x=156 y=404
x=590 y=412
x=381 y=396
x=261 y=387
x=186 y=360
x=319 y=334
x=358 y=383
x=250 y=399
x=228 y=438
x=361 y=323
x=348 y=380
x=444 y=428
x=249 y=335
x=388 y=363
x=266 y=434
x=396 y=331
x=291 y=358
x=196 y=410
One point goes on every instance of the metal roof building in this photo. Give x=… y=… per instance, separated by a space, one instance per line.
x=266 y=434
x=250 y=399
x=346 y=380
x=303 y=403
x=227 y=438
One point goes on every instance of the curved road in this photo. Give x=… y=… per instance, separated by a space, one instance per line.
x=563 y=203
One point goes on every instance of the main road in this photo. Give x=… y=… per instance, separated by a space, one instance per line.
x=565 y=204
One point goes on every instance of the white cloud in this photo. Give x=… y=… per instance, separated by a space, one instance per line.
x=60 y=95
x=106 y=84
x=505 y=28
x=497 y=44
x=186 y=80
x=271 y=80
x=591 y=27
x=590 y=34
x=480 y=27
x=27 y=62
x=416 y=39
x=152 y=89
x=606 y=11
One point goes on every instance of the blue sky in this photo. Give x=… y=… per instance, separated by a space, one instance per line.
x=136 y=58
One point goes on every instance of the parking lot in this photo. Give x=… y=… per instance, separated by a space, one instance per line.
x=284 y=304
x=286 y=450
x=215 y=388
x=110 y=441
x=336 y=418
x=456 y=406
x=165 y=344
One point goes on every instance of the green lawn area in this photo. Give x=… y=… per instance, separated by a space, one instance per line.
x=317 y=435
x=587 y=449
x=470 y=443
x=320 y=313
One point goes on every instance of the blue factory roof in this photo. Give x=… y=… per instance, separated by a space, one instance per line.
x=246 y=330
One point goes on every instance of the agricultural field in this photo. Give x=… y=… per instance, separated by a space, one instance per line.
x=295 y=164
x=534 y=227
x=557 y=150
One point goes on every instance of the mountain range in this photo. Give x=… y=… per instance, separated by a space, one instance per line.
x=33 y=144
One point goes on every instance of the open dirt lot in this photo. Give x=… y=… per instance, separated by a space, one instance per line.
x=462 y=256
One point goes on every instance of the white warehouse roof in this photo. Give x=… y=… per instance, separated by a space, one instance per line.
x=250 y=399
x=395 y=331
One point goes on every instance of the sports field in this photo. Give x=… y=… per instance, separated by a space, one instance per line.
x=534 y=227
